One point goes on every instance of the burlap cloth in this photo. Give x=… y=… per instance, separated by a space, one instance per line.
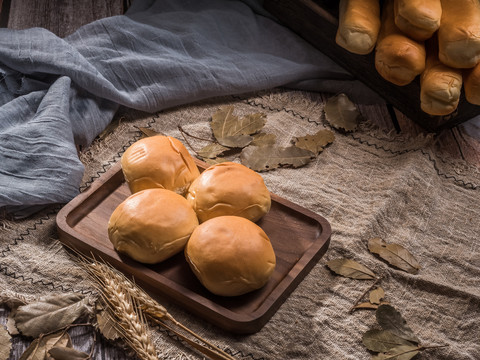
x=366 y=184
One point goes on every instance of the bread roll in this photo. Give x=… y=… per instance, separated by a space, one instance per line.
x=230 y=255
x=472 y=85
x=440 y=85
x=358 y=25
x=398 y=58
x=152 y=225
x=229 y=189
x=419 y=19
x=158 y=162
x=459 y=33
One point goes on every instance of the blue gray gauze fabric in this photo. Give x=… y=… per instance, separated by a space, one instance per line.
x=60 y=93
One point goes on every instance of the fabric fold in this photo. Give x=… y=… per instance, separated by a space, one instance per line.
x=159 y=55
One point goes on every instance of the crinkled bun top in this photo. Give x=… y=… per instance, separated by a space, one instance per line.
x=159 y=162
x=229 y=189
x=230 y=255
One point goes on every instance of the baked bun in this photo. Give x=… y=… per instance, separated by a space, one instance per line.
x=398 y=58
x=229 y=189
x=440 y=85
x=358 y=25
x=419 y=19
x=152 y=225
x=158 y=162
x=230 y=255
x=472 y=85
x=459 y=33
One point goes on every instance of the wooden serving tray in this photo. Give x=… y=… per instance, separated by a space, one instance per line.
x=316 y=21
x=299 y=238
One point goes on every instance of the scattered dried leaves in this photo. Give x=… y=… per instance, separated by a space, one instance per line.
x=67 y=353
x=263 y=158
x=315 y=143
x=342 y=113
x=395 y=341
x=382 y=340
x=394 y=254
x=5 y=343
x=211 y=151
x=263 y=139
x=376 y=295
x=390 y=319
x=38 y=349
x=50 y=313
x=258 y=150
x=351 y=269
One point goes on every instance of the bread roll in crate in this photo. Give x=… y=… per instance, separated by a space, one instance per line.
x=317 y=21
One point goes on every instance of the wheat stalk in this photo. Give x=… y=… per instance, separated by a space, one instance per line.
x=110 y=276
x=122 y=306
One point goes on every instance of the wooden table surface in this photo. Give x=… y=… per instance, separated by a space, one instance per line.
x=63 y=17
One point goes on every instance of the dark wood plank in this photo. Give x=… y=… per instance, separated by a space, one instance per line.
x=62 y=17
x=4 y=12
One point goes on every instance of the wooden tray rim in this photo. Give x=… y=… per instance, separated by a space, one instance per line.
x=242 y=323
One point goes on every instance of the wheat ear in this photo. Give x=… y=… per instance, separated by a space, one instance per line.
x=154 y=310
x=123 y=307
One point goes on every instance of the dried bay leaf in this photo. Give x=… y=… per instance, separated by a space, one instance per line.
x=351 y=269
x=263 y=139
x=211 y=151
x=67 y=353
x=13 y=302
x=376 y=295
x=217 y=160
x=263 y=158
x=148 y=131
x=390 y=319
x=366 y=305
x=235 y=141
x=317 y=142
x=342 y=113
x=106 y=325
x=5 y=343
x=396 y=255
x=38 y=349
x=224 y=123
x=369 y=305
x=402 y=352
x=382 y=340
x=50 y=313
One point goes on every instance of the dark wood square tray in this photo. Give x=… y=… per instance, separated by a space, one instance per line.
x=316 y=21
x=299 y=238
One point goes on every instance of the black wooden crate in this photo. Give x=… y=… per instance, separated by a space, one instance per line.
x=317 y=22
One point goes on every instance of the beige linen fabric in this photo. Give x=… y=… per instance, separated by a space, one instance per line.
x=366 y=184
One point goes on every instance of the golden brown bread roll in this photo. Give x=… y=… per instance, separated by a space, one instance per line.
x=440 y=85
x=230 y=255
x=229 y=189
x=398 y=58
x=472 y=85
x=152 y=225
x=418 y=19
x=358 y=25
x=158 y=162
x=459 y=33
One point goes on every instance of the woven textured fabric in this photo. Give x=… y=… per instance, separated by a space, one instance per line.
x=57 y=94
x=366 y=183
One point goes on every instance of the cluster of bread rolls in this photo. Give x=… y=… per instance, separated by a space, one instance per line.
x=437 y=40
x=210 y=216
